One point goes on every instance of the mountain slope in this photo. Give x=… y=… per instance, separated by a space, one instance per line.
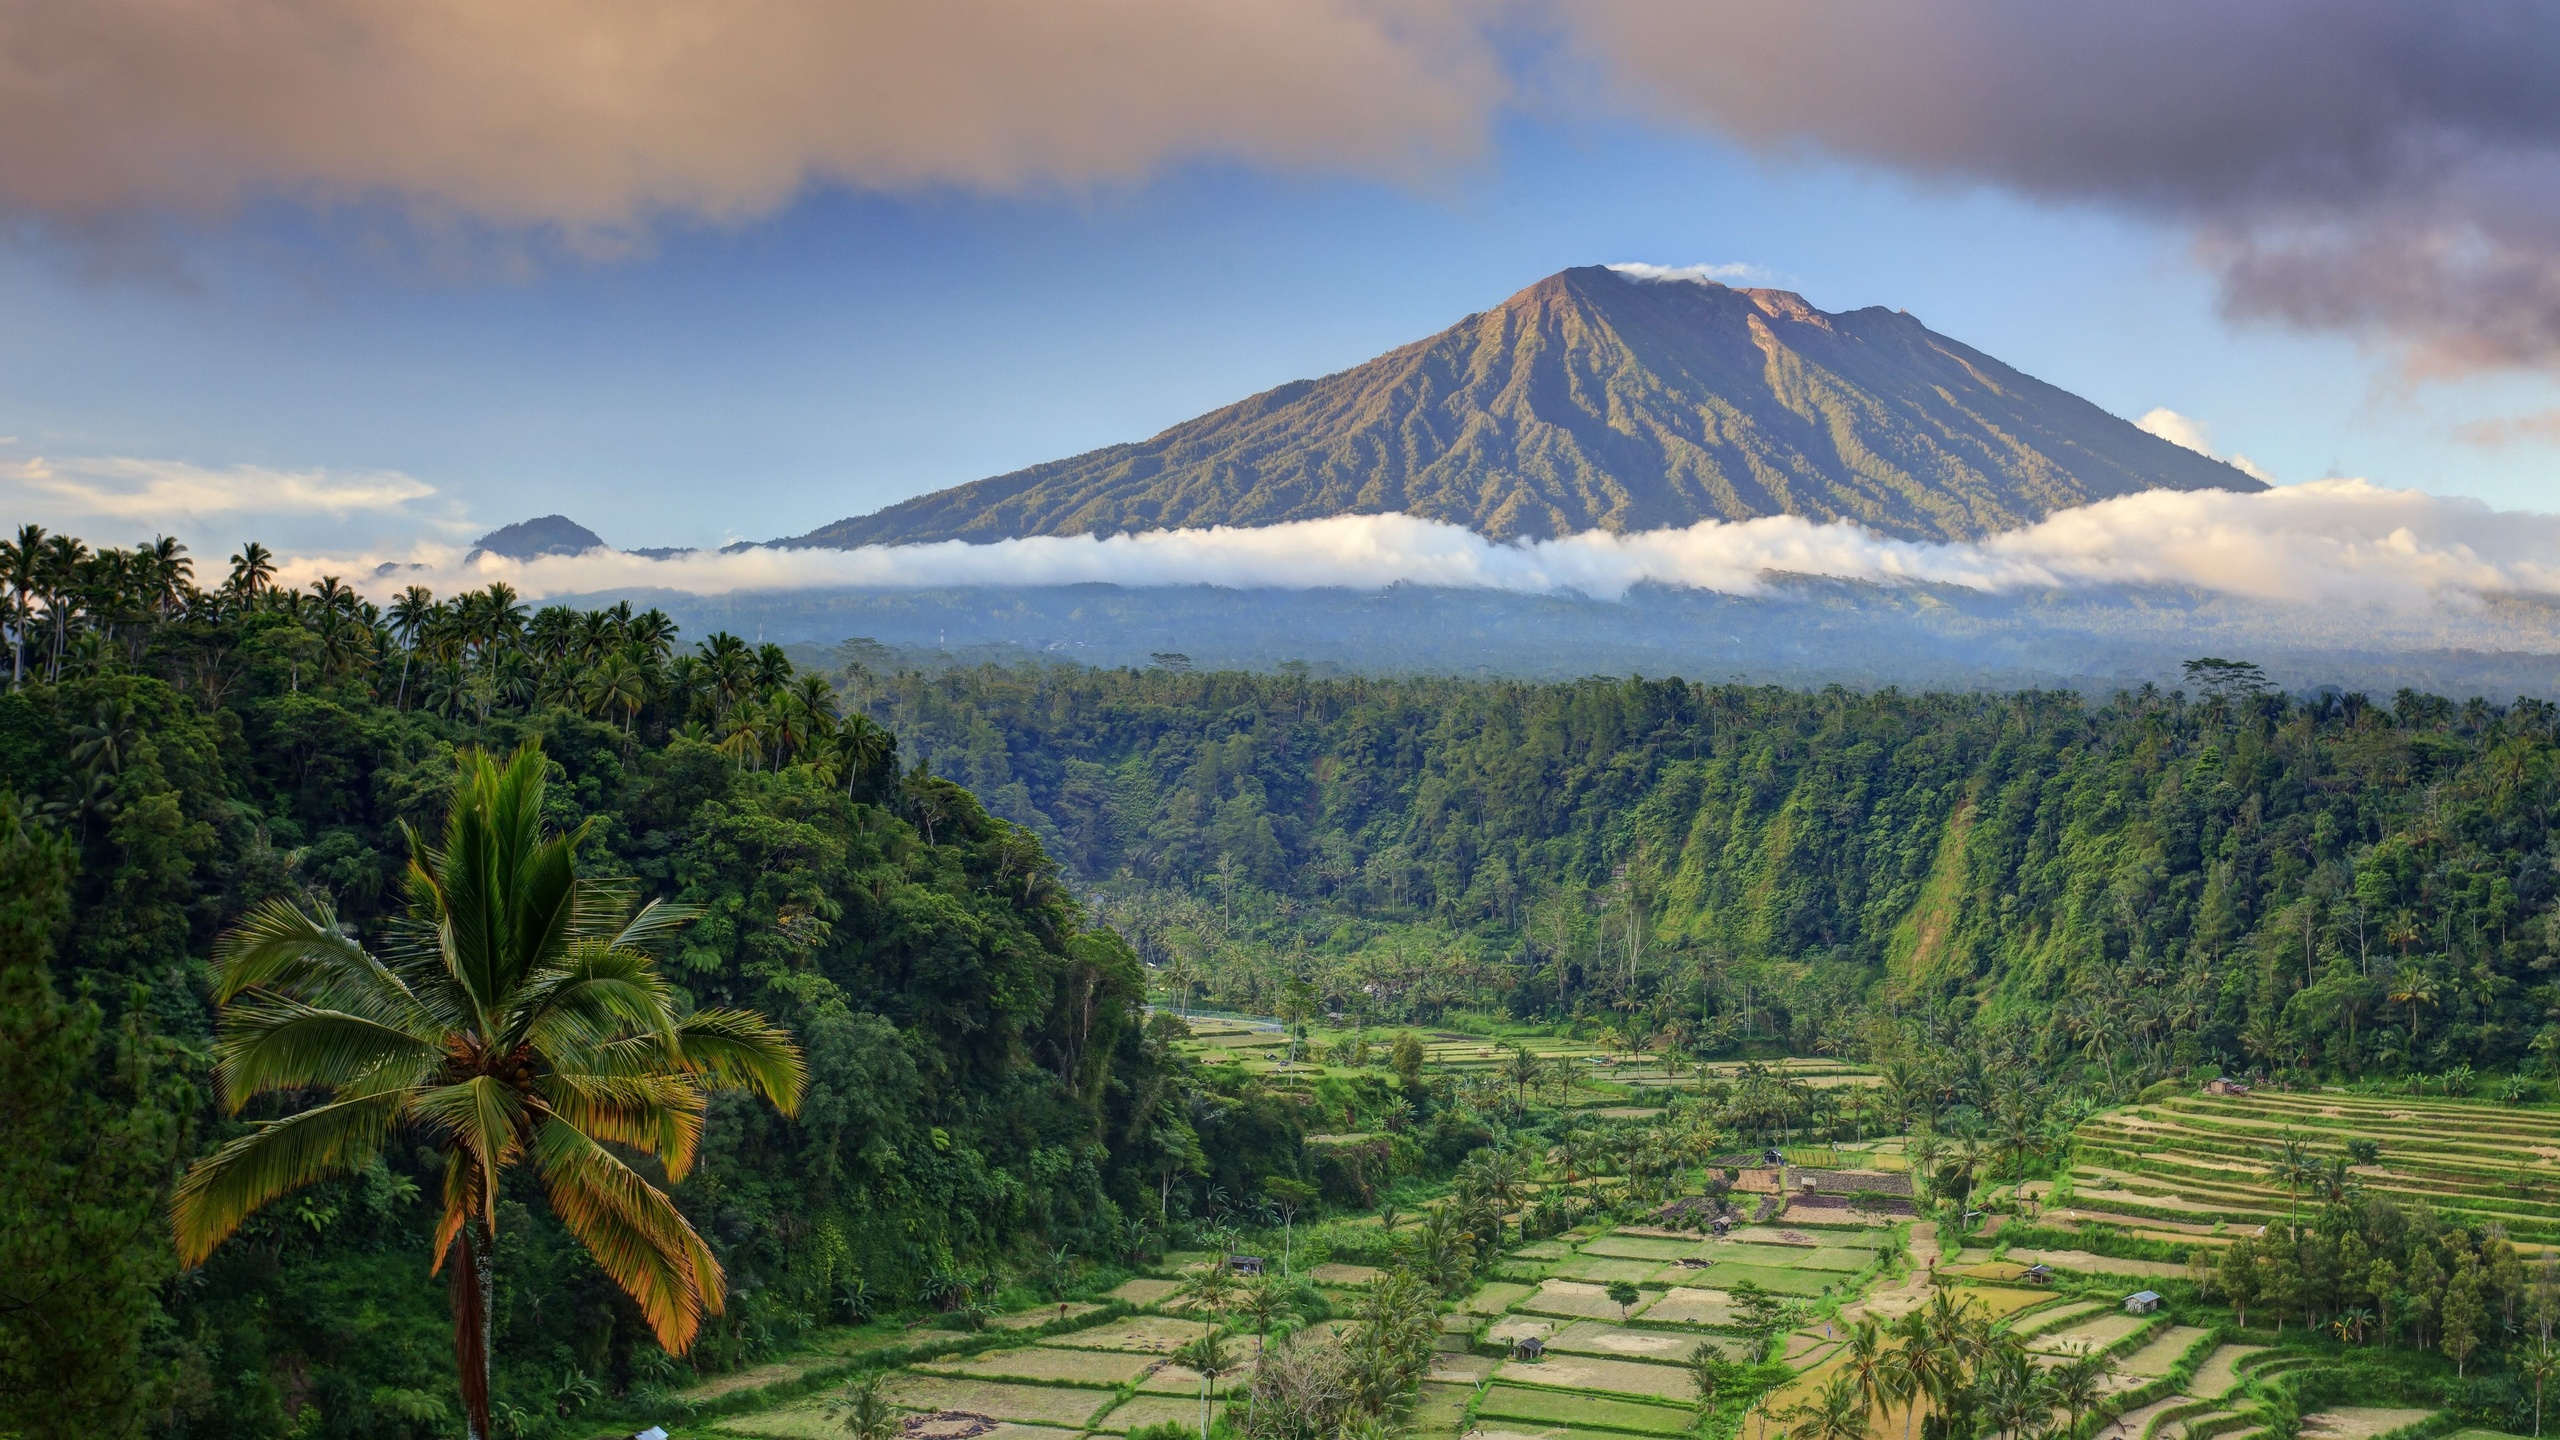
x=1593 y=400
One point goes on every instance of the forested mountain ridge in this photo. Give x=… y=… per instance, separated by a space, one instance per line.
x=2161 y=880
x=1598 y=400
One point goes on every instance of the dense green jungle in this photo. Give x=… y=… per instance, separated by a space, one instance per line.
x=956 y=892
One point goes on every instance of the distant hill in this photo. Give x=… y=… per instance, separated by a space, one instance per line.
x=1597 y=400
x=530 y=539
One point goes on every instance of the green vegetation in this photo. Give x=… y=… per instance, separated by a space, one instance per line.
x=1522 y=985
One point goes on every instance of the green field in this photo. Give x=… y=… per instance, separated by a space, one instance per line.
x=1769 y=1278
x=1510 y=1402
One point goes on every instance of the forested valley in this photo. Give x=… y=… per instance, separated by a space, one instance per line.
x=956 y=889
x=2118 y=888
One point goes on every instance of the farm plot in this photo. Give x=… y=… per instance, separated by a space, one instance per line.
x=1586 y=1372
x=2219 y=1375
x=2043 y=1320
x=1497 y=1296
x=2359 y=1422
x=1603 y=1269
x=1690 y=1305
x=2087 y=1337
x=1779 y=1256
x=1143 y=1291
x=1041 y=1365
x=1439 y=1409
x=2194 y=1159
x=2161 y=1353
x=1039 y=1315
x=1511 y=1402
x=1575 y=1298
x=1456 y=1369
x=1175 y=1380
x=1804 y=1283
x=1622 y=1246
x=1592 y=1337
x=1033 y=1404
x=1140 y=1411
x=808 y=1420
x=1138 y=1334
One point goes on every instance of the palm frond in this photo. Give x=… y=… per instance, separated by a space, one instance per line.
x=660 y=1114
x=280 y=946
x=280 y=1156
x=594 y=995
x=484 y=1120
x=741 y=1050
x=654 y=926
x=287 y=1045
x=633 y=1230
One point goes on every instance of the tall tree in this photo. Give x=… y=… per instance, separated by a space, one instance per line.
x=517 y=1017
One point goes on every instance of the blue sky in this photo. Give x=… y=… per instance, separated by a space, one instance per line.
x=761 y=378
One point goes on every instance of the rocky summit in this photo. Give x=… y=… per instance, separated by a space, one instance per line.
x=1598 y=399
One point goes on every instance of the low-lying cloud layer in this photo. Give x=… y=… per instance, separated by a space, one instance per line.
x=2333 y=543
x=2376 y=166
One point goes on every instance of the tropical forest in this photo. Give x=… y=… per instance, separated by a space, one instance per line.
x=443 y=1015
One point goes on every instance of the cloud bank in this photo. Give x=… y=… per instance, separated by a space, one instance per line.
x=2331 y=543
x=2386 y=168
x=2368 y=165
x=165 y=491
x=596 y=114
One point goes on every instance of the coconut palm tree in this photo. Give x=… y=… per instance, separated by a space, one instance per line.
x=1209 y=1356
x=517 y=1018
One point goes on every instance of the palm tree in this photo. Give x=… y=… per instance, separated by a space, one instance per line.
x=1208 y=1355
x=1839 y=1412
x=2538 y=1362
x=410 y=616
x=618 y=684
x=866 y=1409
x=251 y=569
x=518 y=1017
x=1864 y=1361
x=1523 y=1070
x=2078 y=1384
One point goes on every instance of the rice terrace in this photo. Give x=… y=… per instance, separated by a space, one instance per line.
x=1783 y=1290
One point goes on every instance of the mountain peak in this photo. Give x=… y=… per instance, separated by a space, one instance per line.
x=1604 y=399
x=543 y=535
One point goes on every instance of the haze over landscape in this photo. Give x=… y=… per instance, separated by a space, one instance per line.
x=1451 y=720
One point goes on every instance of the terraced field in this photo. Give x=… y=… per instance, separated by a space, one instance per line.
x=2193 y=1167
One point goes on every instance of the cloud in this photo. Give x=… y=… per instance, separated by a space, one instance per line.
x=2178 y=429
x=2368 y=165
x=2339 y=544
x=2375 y=166
x=1730 y=273
x=163 y=491
x=594 y=115
x=2540 y=428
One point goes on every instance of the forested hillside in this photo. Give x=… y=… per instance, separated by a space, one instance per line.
x=980 y=1089
x=2230 y=876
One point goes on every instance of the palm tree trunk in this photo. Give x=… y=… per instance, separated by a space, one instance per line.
x=470 y=1281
